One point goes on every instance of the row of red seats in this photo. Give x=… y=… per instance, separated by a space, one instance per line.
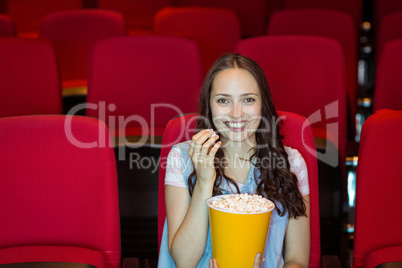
x=81 y=196
x=68 y=211
x=70 y=37
x=216 y=31
x=73 y=62
x=139 y=13
x=263 y=53
x=136 y=84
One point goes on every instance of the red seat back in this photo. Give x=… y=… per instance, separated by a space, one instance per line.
x=352 y=7
x=58 y=191
x=139 y=14
x=378 y=236
x=333 y=24
x=307 y=79
x=388 y=83
x=389 y=29
x=297 y=134
x=216 y=31
x=29 y=79
x=251 y=13
x=382 y=8
x=146 y=80
x=73 y=34
x=27 y=14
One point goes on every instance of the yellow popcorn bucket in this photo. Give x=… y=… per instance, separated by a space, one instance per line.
x=236 y=237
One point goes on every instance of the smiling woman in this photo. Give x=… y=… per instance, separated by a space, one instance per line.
x=246 y=156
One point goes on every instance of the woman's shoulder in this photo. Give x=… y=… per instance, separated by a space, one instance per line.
x=179 y=152
x=293 y=154
x=182 y=147
x=295 y=159
x=299 y=168
x=179 y=165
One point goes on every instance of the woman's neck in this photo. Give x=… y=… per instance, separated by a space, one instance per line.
x=238 y=150
x=239 y=160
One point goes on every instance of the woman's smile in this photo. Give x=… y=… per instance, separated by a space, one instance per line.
x=237 y=126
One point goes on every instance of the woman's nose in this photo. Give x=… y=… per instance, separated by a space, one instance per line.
x=236 y=111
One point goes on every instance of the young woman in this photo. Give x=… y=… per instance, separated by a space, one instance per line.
x=238 y=150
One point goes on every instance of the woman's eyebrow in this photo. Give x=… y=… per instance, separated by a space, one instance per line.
x=247 y=94
x=224 y=95
x=228 y=95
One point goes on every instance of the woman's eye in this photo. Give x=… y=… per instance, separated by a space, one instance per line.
x=249 y=100
x=222 y=101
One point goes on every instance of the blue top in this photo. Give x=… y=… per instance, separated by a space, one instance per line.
x=179 y=167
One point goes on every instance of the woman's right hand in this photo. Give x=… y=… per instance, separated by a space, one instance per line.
x=257 y=262
x=202 y=153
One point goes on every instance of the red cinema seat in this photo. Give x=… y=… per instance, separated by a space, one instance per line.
x=251 y=14
x=390 y=28
x=352 y=7
x=55 y=207
x=139 y=14
x=297 y=134
x=27 y=14
x=306 y=75
x=378 y=236
x=216 y=31
x=7 y=27
x=382 y=8
x=29 y=78
x=332 y=24
x=73 y=33
x=138 y=83
x=388 y=83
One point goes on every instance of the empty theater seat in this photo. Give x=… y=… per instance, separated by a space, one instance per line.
x=73 y=34
x=377 y=237
x=216 y=31
x=29 y=78
x=58 y=189
x=388 y=84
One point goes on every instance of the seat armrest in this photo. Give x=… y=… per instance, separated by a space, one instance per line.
x=395 y=264
x=330 y=261
x=388 y=257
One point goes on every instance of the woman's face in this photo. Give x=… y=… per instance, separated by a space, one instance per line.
x=236 y=105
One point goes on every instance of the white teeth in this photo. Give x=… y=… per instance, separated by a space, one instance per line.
x=235 y=125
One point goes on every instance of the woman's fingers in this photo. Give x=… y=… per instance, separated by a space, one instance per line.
x=194 y=139
x=206 y=147
x=257 y=261
x=214 y=149
x=198 y=141
x=213 y=263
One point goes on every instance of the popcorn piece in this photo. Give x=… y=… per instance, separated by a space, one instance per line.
x=243 y=203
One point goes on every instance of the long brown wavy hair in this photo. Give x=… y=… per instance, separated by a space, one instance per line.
x=277 y=181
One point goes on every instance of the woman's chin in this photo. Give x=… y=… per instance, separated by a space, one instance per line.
x=240 y=138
